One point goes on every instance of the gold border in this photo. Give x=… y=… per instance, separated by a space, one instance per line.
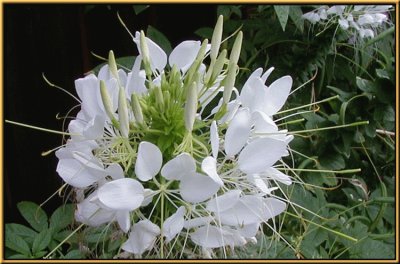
x=2 y=260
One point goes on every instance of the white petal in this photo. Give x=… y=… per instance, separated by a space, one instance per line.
x=212 y=237
x=263 y=123
x=104 y=73
x=260 y=183
x=179 y=167
x=238 y=132
x=88 y=90
x=184 y=54
x=95 y=128
x=260 y=154
x=122 y=194
x=136 y=83
x=279 y=176
x=198 y=221
x=115 y=171
x=214 y=139
x=142 y=237
x=148 y=197
x=148 y=162
x=158 y=58
x=197 y=188
x=252 y=209
x=224 y=202
x=249 y=231
x=209 y=166
x=123 y=220
x=91 y=214
x=253 y=93
x=277 y=93
x=265 y=76
x=173 y=225
x=76 y=174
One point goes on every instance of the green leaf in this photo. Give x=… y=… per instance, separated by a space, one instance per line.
x=17 y=243
x=159 y=38
x=25 y=232
x=19 y=256
x=39 y=254
x=34 y=215
x=365 y=85
x=204 y=32
x=224 y=10
x=41 y=241
x=295 y=15
x=139 y=8
x=74 y=254
x=62 y=217
x=332 y=161
x=282 y=11
x=125 y=62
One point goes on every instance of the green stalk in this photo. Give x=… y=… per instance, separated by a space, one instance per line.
x=41 y=128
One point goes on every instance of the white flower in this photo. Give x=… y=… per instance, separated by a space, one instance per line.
x=142 y=237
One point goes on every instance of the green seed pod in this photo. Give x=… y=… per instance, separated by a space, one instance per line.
x=216 y=38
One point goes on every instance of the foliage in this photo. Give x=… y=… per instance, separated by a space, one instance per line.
x=362 y=75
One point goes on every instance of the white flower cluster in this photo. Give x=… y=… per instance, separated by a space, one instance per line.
x=361 y=19
x=143 y=152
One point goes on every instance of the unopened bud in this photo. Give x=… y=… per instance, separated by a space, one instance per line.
x=219 y=64
x=145 y=53
x=123 y=113
x=112 y=64
x=216 y=38
x=191 y=106
x=105 y=97
x=237 y=46
x=229 y=82
x=137 y=110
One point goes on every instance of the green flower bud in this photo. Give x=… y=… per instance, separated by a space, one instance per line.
x=105 y=97
x=237 y=46
x=145 y=53
x=229 y=82
x=137 y=110
x=191 y=107
x=113 y=65
x=216 y=38
x=219 y=65
x=123 y=113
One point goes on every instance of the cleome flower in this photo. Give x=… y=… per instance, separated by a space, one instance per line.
x=363 y=21
x=178 y=179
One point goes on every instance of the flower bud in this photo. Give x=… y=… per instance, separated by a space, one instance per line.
x=191 y=107
x=105 y=97
x=123 y=113
x=237 y=46
x=219 y=65
x=113 y=65
x=229 y=82
x=216 y=38
x=137 y=110
x=145 y=53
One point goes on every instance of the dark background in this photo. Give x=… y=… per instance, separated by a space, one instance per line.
x=57 y=40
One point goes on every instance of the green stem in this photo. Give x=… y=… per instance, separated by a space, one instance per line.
x=326 y=228
x=62 y=242
x=40 y=128
x=329 y=171
x=307 y=105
